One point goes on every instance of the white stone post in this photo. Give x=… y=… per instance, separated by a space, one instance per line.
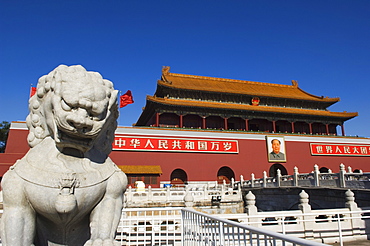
x=252 y=180
x=316 y=175
x=350 y=201
x=241 y=179
x=342 y=180
x=264 y=179
x=188 y=199
x=355 y=217
x=251 y=208
x=278 y=177
x=150 y=193
x=305 y=207
x=168 y=194
x=295 y=176
x=349 y=169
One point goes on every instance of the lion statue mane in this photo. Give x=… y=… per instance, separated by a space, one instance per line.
x=66 y=190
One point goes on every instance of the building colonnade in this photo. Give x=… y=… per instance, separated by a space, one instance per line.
x=244 y=124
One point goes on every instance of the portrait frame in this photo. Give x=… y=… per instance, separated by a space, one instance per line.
x=271 y=155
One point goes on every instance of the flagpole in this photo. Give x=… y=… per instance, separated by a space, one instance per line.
x=119 y=106
x=125 y=99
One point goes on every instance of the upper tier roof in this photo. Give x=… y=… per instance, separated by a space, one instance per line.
x=220 y=105
x=202 y=83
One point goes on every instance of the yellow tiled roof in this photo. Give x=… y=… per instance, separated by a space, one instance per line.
x=202 y=83
x=207 y=104
x=140 y=169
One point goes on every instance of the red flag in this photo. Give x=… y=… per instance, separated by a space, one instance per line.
x=126 y=99
x=32 y=91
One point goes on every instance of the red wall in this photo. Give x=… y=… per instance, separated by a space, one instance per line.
x=17 y=141
x=16 y=148
x=252 y=158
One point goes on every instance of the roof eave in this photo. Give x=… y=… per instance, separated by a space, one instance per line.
x=344 y=115
x=168 y=84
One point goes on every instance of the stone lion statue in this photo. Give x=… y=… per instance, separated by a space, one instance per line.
x=66 y=190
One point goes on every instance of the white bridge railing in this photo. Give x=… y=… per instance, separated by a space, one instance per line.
x=204 y=229
x=185 y=227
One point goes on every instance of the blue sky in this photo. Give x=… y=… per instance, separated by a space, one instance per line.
x=324 y=44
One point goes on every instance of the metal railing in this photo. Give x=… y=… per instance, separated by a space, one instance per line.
x=327 y=225
x=204 y=229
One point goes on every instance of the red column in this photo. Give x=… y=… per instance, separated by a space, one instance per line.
x=203 y=122
x=310 y=125
x=157 y=119
x=225 y=123
x=292 y=126
x=181 y=123
x=342 y=126
x=327 y=129
x=274 y=126
x=246 y=125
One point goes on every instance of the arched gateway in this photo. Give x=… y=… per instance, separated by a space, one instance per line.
x=225 y=173
x=275 y=167
x=179 y=177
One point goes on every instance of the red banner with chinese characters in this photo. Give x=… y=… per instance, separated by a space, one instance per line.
x=174 y=144
x=339 y=149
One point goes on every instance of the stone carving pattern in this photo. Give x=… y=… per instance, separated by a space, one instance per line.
x=66 y=190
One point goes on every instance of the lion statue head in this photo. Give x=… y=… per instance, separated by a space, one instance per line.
x=77 y=108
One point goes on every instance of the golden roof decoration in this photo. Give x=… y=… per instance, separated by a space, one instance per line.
x=233 y=86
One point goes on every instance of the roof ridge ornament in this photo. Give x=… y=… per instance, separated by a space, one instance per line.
x=295 y=83
x=165 y=70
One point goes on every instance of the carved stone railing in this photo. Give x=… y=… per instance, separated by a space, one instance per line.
x=343 y=179
x=203 y=195
x=330 y=225
x=163 y=226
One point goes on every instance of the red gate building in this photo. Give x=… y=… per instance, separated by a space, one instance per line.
x=197 y=128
